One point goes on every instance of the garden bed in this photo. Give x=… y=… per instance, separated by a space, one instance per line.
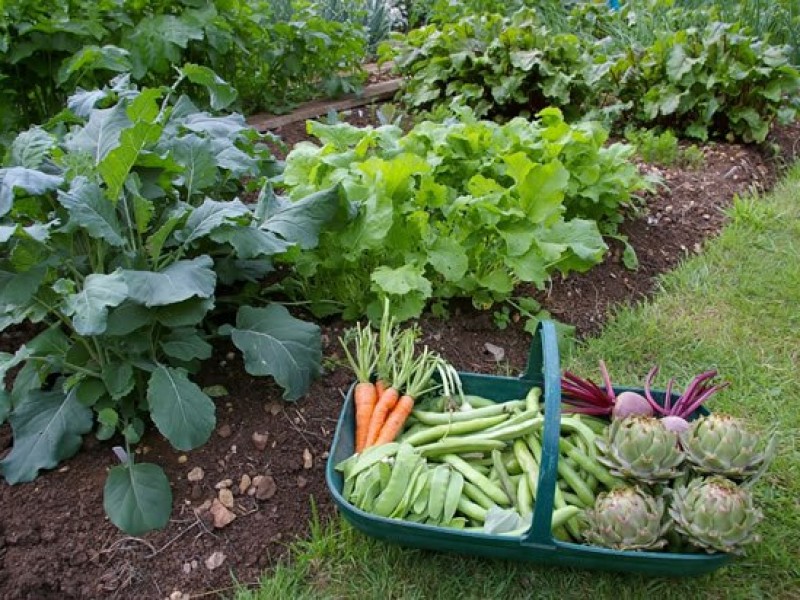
x=56 y=542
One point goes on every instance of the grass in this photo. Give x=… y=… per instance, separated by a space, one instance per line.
x=734 y=308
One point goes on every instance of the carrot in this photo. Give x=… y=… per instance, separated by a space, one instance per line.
x=396 y=419
x=362 y=361
x=419 y=376
x=365 y=399
x=385 y=404
x=380 y=387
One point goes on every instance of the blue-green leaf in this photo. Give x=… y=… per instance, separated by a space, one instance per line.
x=300 y=222
x=137 y=498
x=179 y=281
x=89 y=306
x=30 y=180
x=207 y=217
x=179 y=408
x=47 y=429
x=186 y=345
x=275 y=343
x=197 y=158
x=30 y=148
x=101 y=134
x=89 y=209
x=221 y=93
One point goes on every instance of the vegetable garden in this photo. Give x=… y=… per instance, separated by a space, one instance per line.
x=174 y=284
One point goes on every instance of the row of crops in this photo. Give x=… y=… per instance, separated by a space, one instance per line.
x=140 y=216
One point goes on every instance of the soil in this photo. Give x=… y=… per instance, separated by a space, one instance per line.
x=55 y=541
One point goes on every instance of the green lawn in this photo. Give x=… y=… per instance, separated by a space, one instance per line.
x=735 y=308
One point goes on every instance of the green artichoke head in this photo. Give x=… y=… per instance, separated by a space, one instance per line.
x=715 y=514
x=641 y=449
x=626 y=519
x=724 y=445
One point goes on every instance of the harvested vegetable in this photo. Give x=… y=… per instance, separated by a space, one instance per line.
x=362 y=361
x=675 y=414
x=627 y=518
x=715 y=514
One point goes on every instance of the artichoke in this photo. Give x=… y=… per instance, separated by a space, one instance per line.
x=642 y=449
x=626 y=519
x=715 y=514
x=723 y=445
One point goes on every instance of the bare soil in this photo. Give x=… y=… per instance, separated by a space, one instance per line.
x=55 y=541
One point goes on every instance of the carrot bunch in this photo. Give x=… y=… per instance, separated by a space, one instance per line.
x=382 y=408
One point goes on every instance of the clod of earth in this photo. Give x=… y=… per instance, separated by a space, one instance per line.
x=221 y=515
x=245 y=483
x=308 y=459
x=224 y=430
x=215 y=560
x=260 y=440
x=226 y=498
x=265 y=487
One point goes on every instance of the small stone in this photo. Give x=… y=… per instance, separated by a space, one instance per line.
x=224 y=431
x=203 y=507
x=195 y=564
x=64 y=469
x=196 y=475
x=215 y=560
x=226 y=498
x=178 y=595
x=187 y=568
x=251 y=491
x=182 y=459
x=265 y=487
x=222 y=516
x=230 y=356
x=308 y=459
x=260 y=440
x=245 y=483
x=497 y=352
x=225 y=483
x=273 y=407
x=301 y=482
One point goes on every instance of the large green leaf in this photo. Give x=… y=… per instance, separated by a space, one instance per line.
x=101 y=134
x=542 y=193
x=179 y=408
x=137 y=498
x=5 y=405
x=89 y=209
x=116 y=166
x=402 y=280
x=16 y=289
x=118 y=379
x=221 y=93
x=179 y=281
x=197 y=158
x=47 y=429
x=30 y=148
x=448 y=258
x=300 y=222
x=207 y=217
x=274 y=343
x=250 y=242
x=89 y=307
x=32 y=181
x=93 y=58
x=186 y=345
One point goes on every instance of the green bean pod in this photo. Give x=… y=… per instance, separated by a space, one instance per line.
x=405 y=464
x=524 y=497
x=474 y=493
x=471 y=510
x=577 y=484
x=437 y=432
x=520 y=429
x=460 y=445
x=530 y=468
x=492 y=490
x=505 y=479
x=590 y=465
x=562 y=516
x=369 y=457
x=445 y=418
x=532 y=399
x=439 y=481
x=455 y=488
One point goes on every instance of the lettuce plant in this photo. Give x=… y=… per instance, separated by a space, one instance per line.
x=119 y=223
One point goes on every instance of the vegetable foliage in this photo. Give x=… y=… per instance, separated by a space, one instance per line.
x=118 y=225
x=467 y=208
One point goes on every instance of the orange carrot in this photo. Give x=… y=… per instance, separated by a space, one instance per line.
x=385 y=404
x=380 y=387
x=395 y=421
x=365 y=400
x=362 y=361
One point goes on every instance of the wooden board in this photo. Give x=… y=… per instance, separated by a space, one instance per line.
x=376 y=92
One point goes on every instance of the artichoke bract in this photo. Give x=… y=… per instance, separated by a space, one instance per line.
x=626 y=519
x=723 y=445
x=715 y=514
x=642 y=449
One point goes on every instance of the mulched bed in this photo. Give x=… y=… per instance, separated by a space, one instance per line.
x=55 y=541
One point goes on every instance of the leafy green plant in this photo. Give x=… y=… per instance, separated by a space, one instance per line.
x=663 y=148
x=464 y=208
x=119 y=224
x=706 y=82
x=497 y=66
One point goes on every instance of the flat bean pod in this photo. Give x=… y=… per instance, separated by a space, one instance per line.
x=492 y=490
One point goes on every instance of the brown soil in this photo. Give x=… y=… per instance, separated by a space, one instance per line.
x=55 y=541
